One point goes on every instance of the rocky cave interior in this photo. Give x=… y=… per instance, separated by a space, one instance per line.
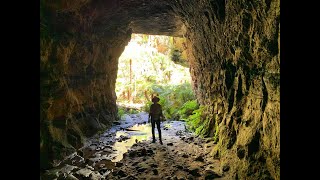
x=234 y=59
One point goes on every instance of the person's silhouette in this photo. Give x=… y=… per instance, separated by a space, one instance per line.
x=155 y=114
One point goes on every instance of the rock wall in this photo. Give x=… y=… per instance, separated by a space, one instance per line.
x=78 y=69
x=233 y=53
x=235 y=66
x=80 y=43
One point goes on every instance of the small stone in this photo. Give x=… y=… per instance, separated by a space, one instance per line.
x=130 y=178
x=84 y=172
x=80 y=153
x=185 y=156
x=121 y=173
x=154 y=165
x=103 y=170
x=190 y=177
x=199 y=158
x=132 y=153
x=170 y=144
x=143 y=152
x=95 y=175
x=93 y=156
x=190 y=138
x=119 y=164
x=150 y=152
x=141 y=169
x=195 y=172
x=90 y=167
x=155 y=171
x=114 y=173
x=110 y=147
x=71 y=177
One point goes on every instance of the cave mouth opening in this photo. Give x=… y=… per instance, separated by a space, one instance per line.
x=153 y=64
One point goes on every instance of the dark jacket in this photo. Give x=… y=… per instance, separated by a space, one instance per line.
x=155 y=111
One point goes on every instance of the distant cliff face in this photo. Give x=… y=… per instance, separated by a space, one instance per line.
x=233 y=54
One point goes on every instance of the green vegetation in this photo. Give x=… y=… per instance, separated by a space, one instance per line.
x=200 y=124
x=177 y=57
x=125 y=110
x=177 y=101
x=157 y=65
x=146 y=62
x=121 y=112
x=194 y=121
x=188 y=108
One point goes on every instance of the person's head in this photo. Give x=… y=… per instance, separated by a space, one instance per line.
x=155 y=99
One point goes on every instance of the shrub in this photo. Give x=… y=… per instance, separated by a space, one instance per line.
x=194 y=120
x=187 y=109
x=121 y=112
x=176 y=100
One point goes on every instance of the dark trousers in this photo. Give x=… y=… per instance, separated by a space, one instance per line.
x=155 y=121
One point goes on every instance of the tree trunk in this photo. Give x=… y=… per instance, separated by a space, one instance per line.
x=130 y=97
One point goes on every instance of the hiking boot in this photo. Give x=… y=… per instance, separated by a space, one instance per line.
x=153 y=141
x=161 y=142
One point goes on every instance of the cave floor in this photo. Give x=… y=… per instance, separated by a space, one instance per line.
x=126 y=152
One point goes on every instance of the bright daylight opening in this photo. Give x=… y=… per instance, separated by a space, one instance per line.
x=154 y=64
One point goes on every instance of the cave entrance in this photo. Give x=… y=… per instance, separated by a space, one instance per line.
x=154 y=64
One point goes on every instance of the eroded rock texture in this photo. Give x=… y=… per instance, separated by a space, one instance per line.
x=78 y=67
x=235 y=66
x=233 y=53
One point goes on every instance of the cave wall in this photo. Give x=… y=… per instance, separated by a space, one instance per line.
x=80 y=43
x=235 y=67
x=78 y=69
x=233 y=53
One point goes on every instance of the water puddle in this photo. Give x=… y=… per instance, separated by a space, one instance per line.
x=103 y=152
x=137 y=133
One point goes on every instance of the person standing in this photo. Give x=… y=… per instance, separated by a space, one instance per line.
x=155 y=114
